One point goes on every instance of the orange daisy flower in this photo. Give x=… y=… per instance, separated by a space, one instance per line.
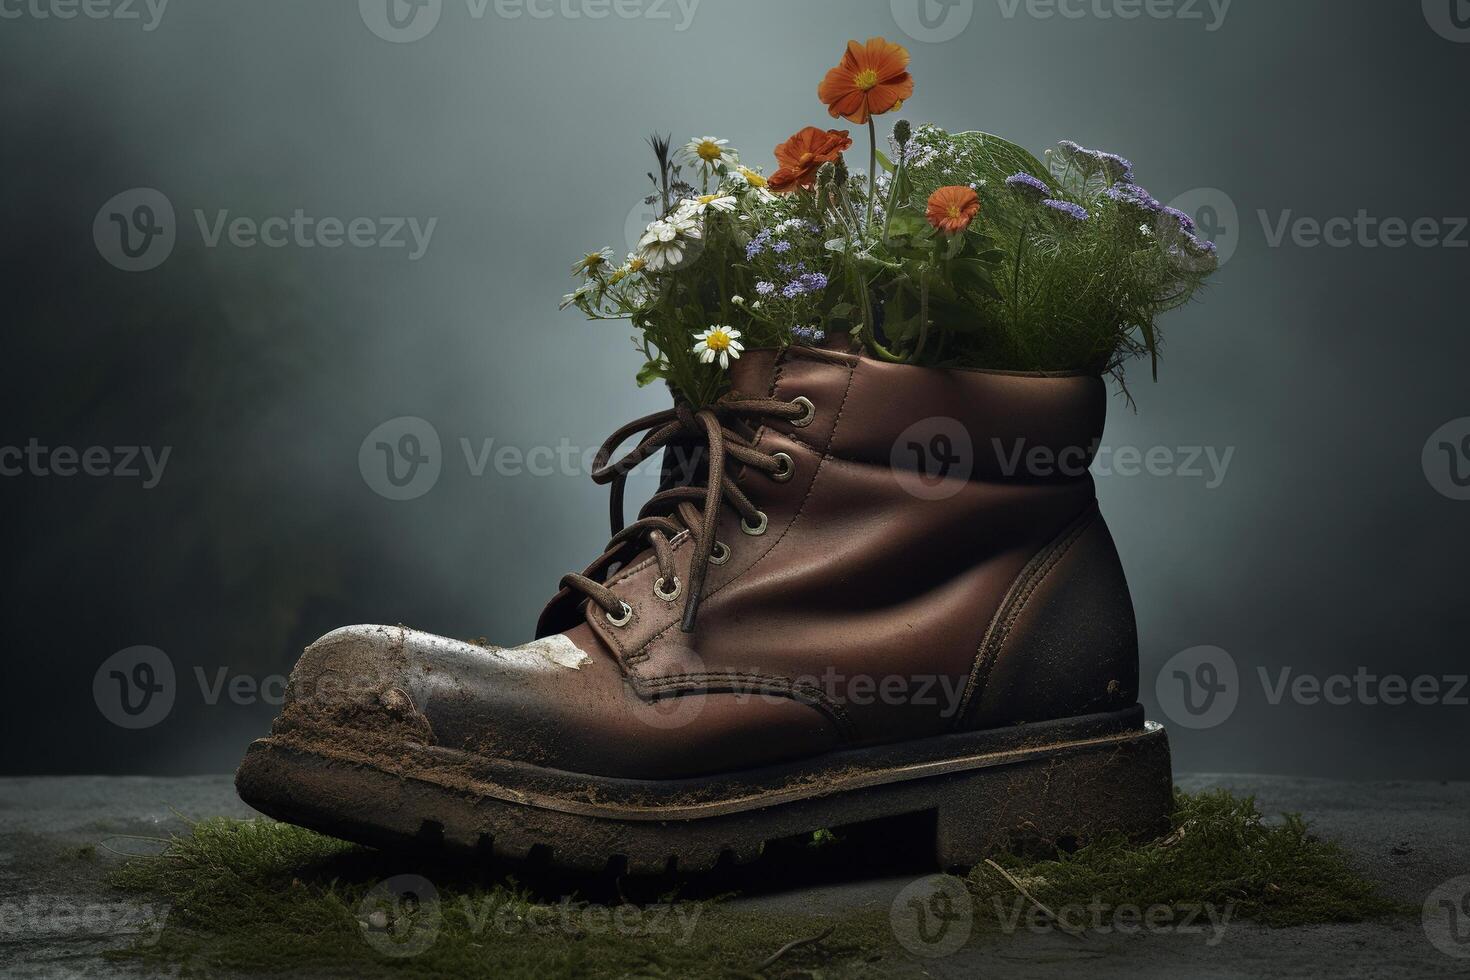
x=951 y=209
x=872 y=79
x=803 y=154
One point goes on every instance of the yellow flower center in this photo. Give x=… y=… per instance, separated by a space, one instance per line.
x=709 y=151
x=866 y=79
x=752 y=178
x=719 y=340
x=954 y=212
x=706 y=198
x=635 y=265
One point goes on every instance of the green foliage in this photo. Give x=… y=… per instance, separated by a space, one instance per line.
x=257 y=896
x=1221 y=853
x=1070 y=278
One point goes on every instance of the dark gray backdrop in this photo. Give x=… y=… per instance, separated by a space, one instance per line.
x=1324 y=369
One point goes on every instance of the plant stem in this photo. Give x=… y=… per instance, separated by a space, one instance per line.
x=913 y=357
x=892 y=196
x=870 y=333
x=872 y=171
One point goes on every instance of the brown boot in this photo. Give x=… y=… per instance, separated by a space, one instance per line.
x=897 y=596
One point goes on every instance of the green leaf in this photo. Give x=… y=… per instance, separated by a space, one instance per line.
x=908 y=223
x=651 y=372
x=886 y=163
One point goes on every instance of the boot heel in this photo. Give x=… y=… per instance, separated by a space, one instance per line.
x=1058 y=801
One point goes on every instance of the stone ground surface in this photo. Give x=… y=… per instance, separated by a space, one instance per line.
x=1412 y=837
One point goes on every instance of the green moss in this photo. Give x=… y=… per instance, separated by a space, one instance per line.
x=1222 y=859
x=260 y=896
x=263 y=897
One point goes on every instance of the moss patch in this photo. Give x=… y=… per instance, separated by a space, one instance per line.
x=263 y=897
x=260 y=896
x=1221 y=862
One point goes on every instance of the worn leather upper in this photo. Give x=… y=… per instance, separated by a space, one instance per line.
x=935 y=562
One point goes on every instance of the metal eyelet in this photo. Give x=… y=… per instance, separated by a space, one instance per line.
x=623 y=620
x=759 y=529
x=672 y=594
x=787 y=468
x=721 y=553
x=811 y=411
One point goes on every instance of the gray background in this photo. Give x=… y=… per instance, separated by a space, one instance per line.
x=1326 y=549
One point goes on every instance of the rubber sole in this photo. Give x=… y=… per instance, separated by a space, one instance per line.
x=1022 y=788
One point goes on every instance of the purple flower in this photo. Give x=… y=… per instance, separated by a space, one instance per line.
x=808 y=335
x=1186 y=223
x=757 y=244
x=765 y=288
x=1117 y=169
x=781 y=247
x=1199 y=246
x=810 y=283
x=1074 y=211
x=1134 y=196
x=1028 y=186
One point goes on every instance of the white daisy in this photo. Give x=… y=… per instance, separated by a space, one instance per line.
x=745 y=179
x=592 y=262
x=718 y=342
x=710 y=152
x=706 y=202
x=666 y=241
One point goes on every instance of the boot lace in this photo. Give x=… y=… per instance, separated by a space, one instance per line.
x=723 y=428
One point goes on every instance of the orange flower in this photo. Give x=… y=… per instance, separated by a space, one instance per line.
x=872 y=79
x=951 y=209
x=803 y=154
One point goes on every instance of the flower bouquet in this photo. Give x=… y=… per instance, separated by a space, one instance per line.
x=951 y=249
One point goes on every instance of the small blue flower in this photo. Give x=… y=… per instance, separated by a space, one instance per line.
x=1186 y=223
x=1115 y=168
x=1135 y=196
x=808 y=335
x=765 y=288
x=757 y=244
x=1074 y=211
x=1028 y=187
x=781 y=247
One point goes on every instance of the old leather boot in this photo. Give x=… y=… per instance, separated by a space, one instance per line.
x=843 y=613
